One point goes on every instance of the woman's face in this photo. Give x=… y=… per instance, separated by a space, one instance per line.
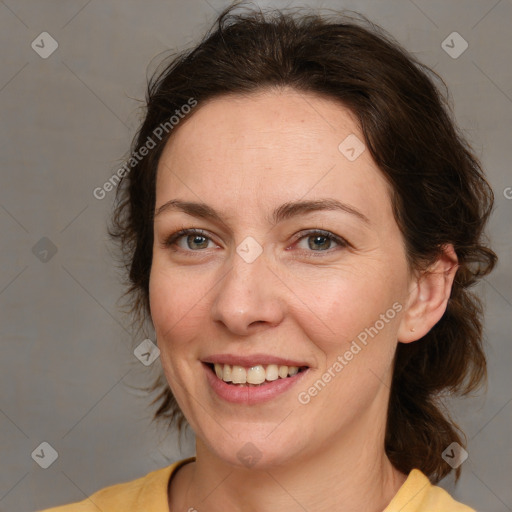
x=294 y=259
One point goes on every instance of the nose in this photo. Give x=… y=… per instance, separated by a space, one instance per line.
x=248 y=299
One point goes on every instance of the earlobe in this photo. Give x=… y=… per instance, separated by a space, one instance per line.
x=429 y=296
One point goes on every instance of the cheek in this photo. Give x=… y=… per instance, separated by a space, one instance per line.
x=335 y=307
x=356 y=340
x=177 y=302
x=357 y=348
x=176 y=312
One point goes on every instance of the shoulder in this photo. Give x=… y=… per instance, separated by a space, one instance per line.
x=417 y=494
x=148 y=492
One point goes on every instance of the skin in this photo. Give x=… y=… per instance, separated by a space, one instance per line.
x=245 y=156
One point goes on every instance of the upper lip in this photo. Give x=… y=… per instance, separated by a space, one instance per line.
x=252 y=360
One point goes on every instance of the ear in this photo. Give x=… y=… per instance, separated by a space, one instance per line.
x=428 y=297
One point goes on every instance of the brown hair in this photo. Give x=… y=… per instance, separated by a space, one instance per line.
x=439 y=193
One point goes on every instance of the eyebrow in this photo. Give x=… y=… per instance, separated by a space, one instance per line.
x=281 y=213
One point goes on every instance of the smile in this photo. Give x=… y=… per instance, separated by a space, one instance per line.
x=240 y=380
x=255 y=375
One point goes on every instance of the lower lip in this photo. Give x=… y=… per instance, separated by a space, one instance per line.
x=249 y=395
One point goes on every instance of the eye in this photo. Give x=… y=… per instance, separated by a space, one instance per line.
x=189 y=240
x=319 y=241
x=197 y=240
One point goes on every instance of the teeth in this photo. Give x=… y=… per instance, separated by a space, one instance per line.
x=238 y=375
x=272 y=372
x=225 y=372
x=293 y=370
x=254 y=375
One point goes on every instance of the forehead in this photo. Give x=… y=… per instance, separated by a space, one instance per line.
x=264 y=123
x=266 y=148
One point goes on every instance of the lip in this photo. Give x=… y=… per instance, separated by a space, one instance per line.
x=252 y=360
x=251 y=395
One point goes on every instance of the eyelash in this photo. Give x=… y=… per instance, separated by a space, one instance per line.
x=170 y=241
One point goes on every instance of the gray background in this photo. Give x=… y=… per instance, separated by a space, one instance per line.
x=67 y=372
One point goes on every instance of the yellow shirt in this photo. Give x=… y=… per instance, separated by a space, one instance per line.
x=149 y=494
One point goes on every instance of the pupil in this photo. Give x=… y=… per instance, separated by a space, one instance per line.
x=319 y=242
x=197 y=239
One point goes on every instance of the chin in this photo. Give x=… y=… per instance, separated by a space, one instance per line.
x=252 y=450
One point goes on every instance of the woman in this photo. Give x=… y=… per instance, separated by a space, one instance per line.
x=302 y=222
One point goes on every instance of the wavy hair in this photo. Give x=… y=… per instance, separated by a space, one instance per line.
x=439 y=193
